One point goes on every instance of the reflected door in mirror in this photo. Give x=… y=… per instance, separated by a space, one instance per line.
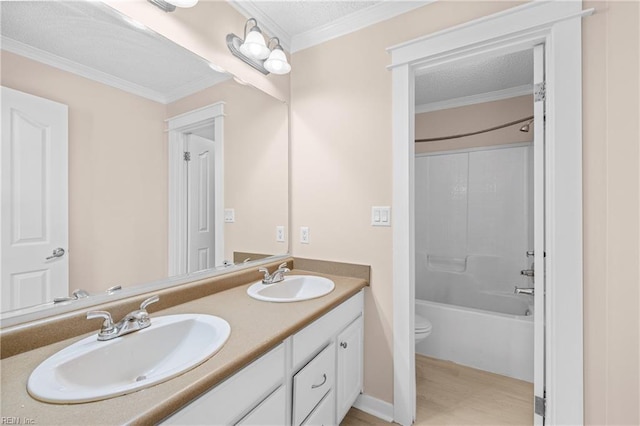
x=201 y=207
x=34 y=232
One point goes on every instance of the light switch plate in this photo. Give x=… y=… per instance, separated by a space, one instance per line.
x=381 y=216
x=229 y=215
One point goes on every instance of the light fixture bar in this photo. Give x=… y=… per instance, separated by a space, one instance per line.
x=233 y=43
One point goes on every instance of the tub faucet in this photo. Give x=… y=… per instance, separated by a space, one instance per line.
x=133 y=321
x=277 y=276
x=527 y=291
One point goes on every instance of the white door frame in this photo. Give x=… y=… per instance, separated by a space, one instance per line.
x=557 y=24
x=177 y=128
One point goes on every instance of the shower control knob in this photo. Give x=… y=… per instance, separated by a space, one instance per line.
x=343 y=345
x=527 y=272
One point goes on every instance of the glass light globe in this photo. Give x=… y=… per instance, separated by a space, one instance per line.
x=183 y=3
x=254 y=45
x=277 y=62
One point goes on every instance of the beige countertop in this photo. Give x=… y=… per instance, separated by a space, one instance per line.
x=256 y=327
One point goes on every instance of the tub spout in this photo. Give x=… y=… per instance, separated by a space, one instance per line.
x=527 y=291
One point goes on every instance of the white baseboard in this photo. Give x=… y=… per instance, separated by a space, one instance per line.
x=374 y=406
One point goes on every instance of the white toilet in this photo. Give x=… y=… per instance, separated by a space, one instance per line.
x=423 y=328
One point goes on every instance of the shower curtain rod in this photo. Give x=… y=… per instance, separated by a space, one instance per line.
x=462 y=135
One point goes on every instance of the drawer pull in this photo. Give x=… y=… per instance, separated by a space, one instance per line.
x=324 y=380
x=343 y=345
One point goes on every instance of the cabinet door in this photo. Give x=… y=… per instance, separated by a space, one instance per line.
x=349 y=380
x=227 y=402
x=323 y=414
x=271 y=411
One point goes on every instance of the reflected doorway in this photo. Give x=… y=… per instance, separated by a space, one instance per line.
x=196 y=190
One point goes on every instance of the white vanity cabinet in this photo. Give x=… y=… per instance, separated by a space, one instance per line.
x=255 y=387
x=312 y=378
x=339 y=333
x=349 y=346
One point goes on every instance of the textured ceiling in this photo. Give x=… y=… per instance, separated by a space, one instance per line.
x=95 y=36
x=296 y=17
x=475 y=78
x=300 y=24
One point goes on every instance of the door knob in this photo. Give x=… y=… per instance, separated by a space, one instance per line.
x=58 y=252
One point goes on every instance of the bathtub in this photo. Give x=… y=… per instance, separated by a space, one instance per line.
x=479 y=337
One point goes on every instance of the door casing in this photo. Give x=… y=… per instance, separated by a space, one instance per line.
x=178 y=127
x=557 y=25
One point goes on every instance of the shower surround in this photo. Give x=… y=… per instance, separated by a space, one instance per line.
x=474 y=211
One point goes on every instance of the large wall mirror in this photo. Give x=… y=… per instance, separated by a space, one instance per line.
x=127 y=160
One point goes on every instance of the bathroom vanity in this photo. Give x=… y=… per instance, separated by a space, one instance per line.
x=317 y=372
x=283 y=363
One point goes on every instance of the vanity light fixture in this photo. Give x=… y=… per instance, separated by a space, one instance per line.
x=266 y=57
x=170 y=5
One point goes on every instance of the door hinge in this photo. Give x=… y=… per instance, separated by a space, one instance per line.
x=540 y=92
x=187 y=156
x=540 y=406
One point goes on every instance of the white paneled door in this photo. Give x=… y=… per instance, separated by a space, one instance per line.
x=201 y=201
x=34 y=214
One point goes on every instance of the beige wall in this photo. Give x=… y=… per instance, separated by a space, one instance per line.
x=341 y=159
x=203 y=30
x=471 y=118
x=256 y=161
x=611 y=70
x=341 y=148
x=117 y=176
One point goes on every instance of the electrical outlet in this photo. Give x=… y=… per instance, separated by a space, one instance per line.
x=304 y=234
x=280 y=234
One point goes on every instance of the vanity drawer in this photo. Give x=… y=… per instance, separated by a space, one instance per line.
x=313 y=382
x=308 y=340
x=231 y=399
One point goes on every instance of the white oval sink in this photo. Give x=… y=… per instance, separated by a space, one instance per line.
x=90 y=370
x=294 y=288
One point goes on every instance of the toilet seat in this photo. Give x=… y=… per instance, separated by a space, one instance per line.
x=423 y=325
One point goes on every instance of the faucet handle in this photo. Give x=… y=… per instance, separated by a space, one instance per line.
x=147 y=302
x=265 y=271
x=283 y=265
x=107 y=325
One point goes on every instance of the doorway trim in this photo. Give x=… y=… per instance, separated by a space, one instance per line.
x=557 y=24
x=178 y=127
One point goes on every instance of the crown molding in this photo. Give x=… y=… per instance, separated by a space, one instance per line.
x=248 y=9
x=22 y=49
x=55 y=61
x=387 y=9
x=194 y=87
x=497 y=95
x=354 y=22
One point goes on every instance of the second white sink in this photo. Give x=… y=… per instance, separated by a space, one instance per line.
x=294 y=288
x=92 y=370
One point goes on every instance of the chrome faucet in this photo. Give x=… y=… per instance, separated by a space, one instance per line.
x=133 y=321
x=83 y=294
x=277 y=276
x=527 y=291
